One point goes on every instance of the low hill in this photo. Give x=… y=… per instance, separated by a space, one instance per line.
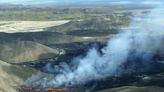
x=23 y=51
x=11 y=76
x=89 y=27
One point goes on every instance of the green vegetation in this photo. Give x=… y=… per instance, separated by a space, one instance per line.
x=92 y=26
x=24 y=13
x=36 y=16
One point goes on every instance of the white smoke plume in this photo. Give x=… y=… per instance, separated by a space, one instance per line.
x=145 y=35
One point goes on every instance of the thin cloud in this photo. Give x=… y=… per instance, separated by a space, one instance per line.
x=152 y=2
x=121 y=2
x=117 y=2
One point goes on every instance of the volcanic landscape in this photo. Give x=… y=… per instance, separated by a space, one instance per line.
x=81 y=49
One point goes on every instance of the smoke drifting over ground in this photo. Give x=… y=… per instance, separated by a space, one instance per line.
x=144 y=37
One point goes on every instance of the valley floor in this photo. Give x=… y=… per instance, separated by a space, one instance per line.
x=28 y=26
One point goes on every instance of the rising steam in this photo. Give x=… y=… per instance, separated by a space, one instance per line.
x=144 y=36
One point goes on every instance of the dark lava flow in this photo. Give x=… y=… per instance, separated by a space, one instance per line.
x=135 y=70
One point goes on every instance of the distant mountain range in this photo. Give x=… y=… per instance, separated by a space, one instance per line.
x=111 y=2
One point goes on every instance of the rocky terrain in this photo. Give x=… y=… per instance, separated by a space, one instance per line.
x=24 y=52
x=34 y=49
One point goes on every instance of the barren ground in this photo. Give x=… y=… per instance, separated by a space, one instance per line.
x=28 y=26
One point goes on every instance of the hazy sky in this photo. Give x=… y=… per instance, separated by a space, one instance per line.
x=83 y=1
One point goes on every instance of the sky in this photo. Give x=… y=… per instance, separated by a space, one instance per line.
x=84 y=1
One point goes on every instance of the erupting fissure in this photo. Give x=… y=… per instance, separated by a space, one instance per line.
x=47 y=89
x=146 y=38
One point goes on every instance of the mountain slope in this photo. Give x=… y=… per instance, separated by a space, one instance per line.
x=11 y=76
x=23 y=51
